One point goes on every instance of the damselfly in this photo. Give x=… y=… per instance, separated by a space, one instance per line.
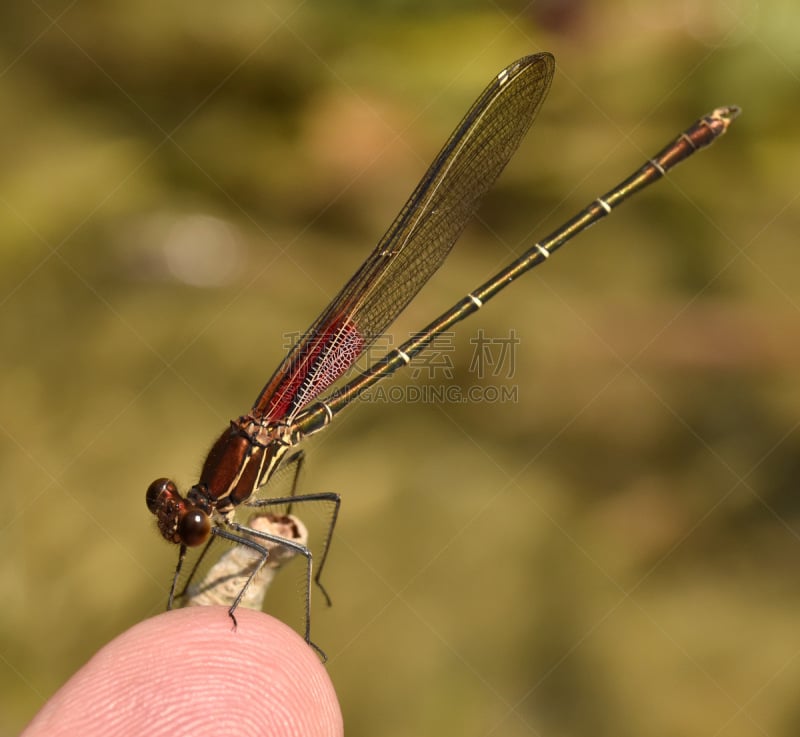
x=248 y=452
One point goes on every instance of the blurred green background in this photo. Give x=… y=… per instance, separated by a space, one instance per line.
x=184 y=185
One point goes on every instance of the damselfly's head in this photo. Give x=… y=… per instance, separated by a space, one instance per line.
x=180 y=520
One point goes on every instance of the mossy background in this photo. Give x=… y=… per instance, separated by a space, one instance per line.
x=184 y=185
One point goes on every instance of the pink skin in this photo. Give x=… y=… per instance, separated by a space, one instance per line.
x=186 y=672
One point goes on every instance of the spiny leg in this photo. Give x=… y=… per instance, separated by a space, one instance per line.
x=331 y=498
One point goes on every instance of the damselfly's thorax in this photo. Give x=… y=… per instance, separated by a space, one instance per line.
x=243 y=457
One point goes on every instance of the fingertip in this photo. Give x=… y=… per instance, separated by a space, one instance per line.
x=190 y=671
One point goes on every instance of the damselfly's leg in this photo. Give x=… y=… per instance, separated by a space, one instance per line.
x=245 y=536
x=328 y=497
x=177 y=574
x=192 y=573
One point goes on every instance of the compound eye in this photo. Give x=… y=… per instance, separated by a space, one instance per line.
x=194 y=528
x=157 y=491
